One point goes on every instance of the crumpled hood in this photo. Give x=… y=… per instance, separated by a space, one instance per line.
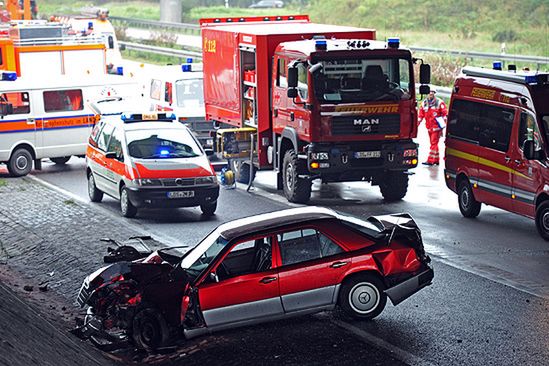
x=173 y=168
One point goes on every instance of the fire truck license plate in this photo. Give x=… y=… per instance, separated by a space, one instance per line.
x=367 y=154
x=181 y=194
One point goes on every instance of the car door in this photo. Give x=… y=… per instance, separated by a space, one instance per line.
x=98 y=161
x=311 y=266
x=243 y=286
x=115 y=168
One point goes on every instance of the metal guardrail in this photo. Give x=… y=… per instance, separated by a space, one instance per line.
x=160 y=50
x=144 y=23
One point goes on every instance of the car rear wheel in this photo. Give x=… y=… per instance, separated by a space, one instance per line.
x=60 y=161
x=542 y=220
x=296 y=189
x=208 y=209
x=150 y=330
x=394 y=186
x=127 y=208
x=468 y=205
x=362 y=297
x=20 y=163
x=93 y=192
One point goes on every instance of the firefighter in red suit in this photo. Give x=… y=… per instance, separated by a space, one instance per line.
x=432 y=108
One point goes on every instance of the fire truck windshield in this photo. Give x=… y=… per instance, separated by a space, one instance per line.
x=361 y=80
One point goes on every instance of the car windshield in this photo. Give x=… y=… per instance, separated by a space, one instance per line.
x=361 y=80
x=201 y=256
x=162 y=143
x=189 y=93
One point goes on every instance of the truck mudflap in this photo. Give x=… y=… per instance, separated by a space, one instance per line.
x=407 y=288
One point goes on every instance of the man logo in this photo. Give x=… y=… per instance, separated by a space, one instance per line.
x=366 y=124
x=366 y=128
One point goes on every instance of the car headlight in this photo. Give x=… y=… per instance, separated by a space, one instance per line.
x=147 y=182
x=320 y=156
x=205 y=180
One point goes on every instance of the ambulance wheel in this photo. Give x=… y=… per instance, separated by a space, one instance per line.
x=468 y=205
x=93 y=192
x=208 y=209
x=128 y=210
x=20 y=162
x=296 y=189
x=60 y=161
x=542 y=220
x=394 y=186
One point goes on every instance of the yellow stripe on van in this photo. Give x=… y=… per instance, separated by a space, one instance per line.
x=483 y=161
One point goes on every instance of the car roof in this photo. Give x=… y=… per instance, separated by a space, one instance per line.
x=273 y=220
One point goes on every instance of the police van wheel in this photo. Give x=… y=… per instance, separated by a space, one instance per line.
x=394 y=186
x=20 y=163
x=93 y=192
x=128 y=210
x=542 y=220
x=208 y=209
x=296 y=189
x=60 y=161
x=468 y=205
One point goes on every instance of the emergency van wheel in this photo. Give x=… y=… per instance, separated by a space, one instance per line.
x=362 y=297
x=394 y=186
x=468 y=205
x=150 y=330
x=20 y=163
x=296 y=189
x=93 y=192
x=208 y=209
x=128 y=210
x=542 y=220
x=60 y=161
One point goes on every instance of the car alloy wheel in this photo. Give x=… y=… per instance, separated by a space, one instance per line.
x=128 y=210
x=362 y=296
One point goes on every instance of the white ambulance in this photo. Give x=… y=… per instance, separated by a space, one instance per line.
x=51 y=117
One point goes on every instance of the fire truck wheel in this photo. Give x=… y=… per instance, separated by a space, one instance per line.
x=394 y=186
x=20 y=163
x=128 y=210
x=362 y=297
x=61 y=160
x=296 y=189
x=93 y=192
x=542 y=220
x=208 y=209
x=468 y=205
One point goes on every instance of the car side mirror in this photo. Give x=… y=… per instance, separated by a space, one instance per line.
x=214 y=277
x=424 y=89
x=425 y=74
x=292 y=93
x=110 y=155
x=292 y=77
x=529 y=150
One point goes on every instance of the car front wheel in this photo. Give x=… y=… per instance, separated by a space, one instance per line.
x=542 y=220
x=127 y=208
x=150 y=330
x=208 y=209
x=362 y=297
x=93 y=192
x=20 y=163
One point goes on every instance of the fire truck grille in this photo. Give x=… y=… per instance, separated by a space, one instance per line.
x=83 y=294
x=386 y=124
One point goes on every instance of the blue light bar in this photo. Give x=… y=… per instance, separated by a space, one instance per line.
x=120 y=70
x=189 y=60
x=9 y=76
x=321 y=44
x=171 y=116
x=164 y=152
x=186 y=68
x=497 y=65
x=393 y=42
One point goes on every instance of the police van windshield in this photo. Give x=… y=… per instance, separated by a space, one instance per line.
x=360 y=80
x=162 y=144
x=189 y=93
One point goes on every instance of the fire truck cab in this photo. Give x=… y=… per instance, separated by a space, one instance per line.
x=325 y=102
x=497 y=143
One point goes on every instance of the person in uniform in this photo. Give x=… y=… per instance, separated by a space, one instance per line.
x=434 y=111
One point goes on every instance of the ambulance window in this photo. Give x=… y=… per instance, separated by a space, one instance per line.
x=155 y=89
x=63 y=100
x=115 y=145
x=529 y=130
x=19 y=102
x=168 y=93
x=281 y=78
x=302 y=81
x=463 y=120
x=496 y=124
x=104 y=137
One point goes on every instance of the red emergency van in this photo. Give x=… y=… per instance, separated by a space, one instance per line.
x=497 y=143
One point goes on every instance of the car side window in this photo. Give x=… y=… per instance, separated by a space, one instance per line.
x=463 y=120
x=305 y=245
x=115 y=145
x=303 y=81
x=250 y=256
x=496 y=124
x=19 y=102
x=104 y=137
x=95 y=131
x=528 y=130
x=155 y=89
x=63 y=100
x=281 y=80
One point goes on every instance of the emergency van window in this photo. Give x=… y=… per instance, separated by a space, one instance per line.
x=155 y=89
x=20 y=103
x=115 y=145
x=281 y=80
x=63 y=100
x=528 y=130
x=189 y=93
x=168 y=92
x=104 y=137
x=302 y=81
x=495 y=127
x=162 y=143
x=463 y=120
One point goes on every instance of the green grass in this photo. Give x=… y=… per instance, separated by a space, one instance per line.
x=129 y=9
x=3 y=183
x=222 y=12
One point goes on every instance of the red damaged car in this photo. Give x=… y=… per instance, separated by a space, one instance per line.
x=265 y=267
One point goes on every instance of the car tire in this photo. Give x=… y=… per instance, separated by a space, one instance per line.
x=208 y=209
x=242 y=171
x=150 y=330
x=394 y=186
x=362 y=297
x=61 y=161
x=93 y=192
x=127 y=208
x=296 y=189
x=20 y=162
x=542 y=220
x=468 y=205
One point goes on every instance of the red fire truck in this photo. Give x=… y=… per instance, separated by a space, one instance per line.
x=321 y=101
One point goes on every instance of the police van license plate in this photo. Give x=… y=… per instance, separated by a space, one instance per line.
x=181 y=194
x=367 y=154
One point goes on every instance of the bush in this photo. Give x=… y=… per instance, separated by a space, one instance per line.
x=507 y=35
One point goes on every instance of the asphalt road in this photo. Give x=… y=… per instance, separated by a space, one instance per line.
x=489 y=300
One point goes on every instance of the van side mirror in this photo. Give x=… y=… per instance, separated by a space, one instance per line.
x=292 y=77
x=529 y=150
x=110 y=155
x=424 y=89
x=292 y=93
x=5 y=109
x=425 y=74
